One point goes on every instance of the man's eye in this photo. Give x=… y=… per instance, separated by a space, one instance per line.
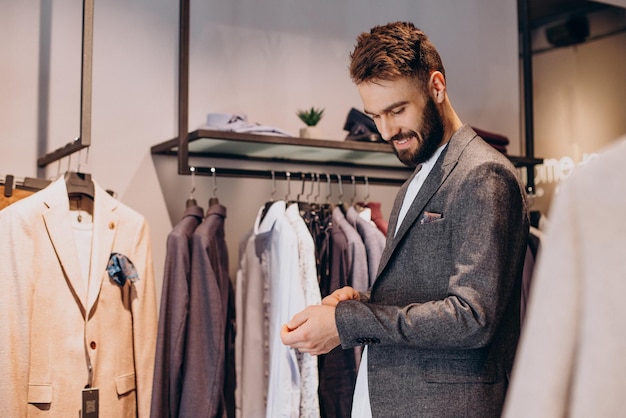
x=396 y=112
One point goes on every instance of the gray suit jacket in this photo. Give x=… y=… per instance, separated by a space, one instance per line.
x=204 y=367
x=442 y=318
x=170 y=347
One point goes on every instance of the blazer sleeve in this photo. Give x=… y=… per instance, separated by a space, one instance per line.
x=14 y=313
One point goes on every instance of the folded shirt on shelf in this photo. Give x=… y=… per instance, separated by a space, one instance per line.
x=239 y=123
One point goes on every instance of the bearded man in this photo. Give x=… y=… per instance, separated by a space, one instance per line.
x=441 y=323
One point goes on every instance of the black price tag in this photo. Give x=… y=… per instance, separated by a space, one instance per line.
x=91 y=403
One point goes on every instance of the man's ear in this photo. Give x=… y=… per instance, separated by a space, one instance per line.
x=438 y=86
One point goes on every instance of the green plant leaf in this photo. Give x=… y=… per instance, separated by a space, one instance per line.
x=311 y=117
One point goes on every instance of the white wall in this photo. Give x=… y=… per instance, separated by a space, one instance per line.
x=265 y=59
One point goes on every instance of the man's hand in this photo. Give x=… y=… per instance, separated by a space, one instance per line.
x=312 y=330
x=345 y=293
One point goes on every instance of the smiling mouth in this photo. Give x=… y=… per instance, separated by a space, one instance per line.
x=402 y=142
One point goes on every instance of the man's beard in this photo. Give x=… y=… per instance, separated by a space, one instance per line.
x=428 y=141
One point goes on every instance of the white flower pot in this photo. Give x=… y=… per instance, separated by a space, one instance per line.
x=311 y=132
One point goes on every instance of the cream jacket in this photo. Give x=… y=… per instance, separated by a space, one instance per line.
x=52 y=319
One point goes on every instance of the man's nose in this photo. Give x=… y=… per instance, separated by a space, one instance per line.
x=387 y=127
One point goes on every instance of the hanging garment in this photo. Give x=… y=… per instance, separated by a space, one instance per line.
x=279 y=261
x=373 y=240
x=172 y=328
x=309 y=400
x=337 y=368
x=377 y=216
x=55 y=322
x=209 y=323
x=570 y=361
x=252 y=339
x=530 y=260
x=358 y=276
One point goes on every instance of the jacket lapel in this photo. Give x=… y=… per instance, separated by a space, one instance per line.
x=105 y=224
x=59 y=226
x=439 y=173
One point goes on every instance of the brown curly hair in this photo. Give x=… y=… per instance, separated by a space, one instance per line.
x=397 y=49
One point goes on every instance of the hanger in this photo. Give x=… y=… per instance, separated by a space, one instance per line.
x=29 y=184
x=213 y=200
x=80 y=190
x=317 y=183
x=362 y=205
x=326 y=208
x=308 y=196
x=367 y=191
x=191 y=201
x=330 y=191
x=288 y=177
x=312 y=199
x=303 y=177
x=353 y=179
x=340 y=203
x=270 y=202
x=303 y=205
x=77 y=182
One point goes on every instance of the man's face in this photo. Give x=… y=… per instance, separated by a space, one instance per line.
x=406 y=116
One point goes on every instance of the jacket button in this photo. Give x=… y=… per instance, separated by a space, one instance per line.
x=111 y=225
x=92 y=345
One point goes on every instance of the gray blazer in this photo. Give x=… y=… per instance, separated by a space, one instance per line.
x=442 y=318
x=172 y=328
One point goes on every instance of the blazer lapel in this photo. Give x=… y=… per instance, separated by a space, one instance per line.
x=439 y=173
x=59 y=227
x=105 y=224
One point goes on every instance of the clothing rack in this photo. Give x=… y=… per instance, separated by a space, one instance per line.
x=310 y=176
x=84 y=140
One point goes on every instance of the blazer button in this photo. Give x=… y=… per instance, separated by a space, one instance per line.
x=111 y=225
x=92 y=345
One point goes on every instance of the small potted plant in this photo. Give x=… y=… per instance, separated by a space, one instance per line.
x=311 y=118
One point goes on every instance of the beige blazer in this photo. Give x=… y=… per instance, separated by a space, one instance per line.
x=571 y=361
x=51 y=319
